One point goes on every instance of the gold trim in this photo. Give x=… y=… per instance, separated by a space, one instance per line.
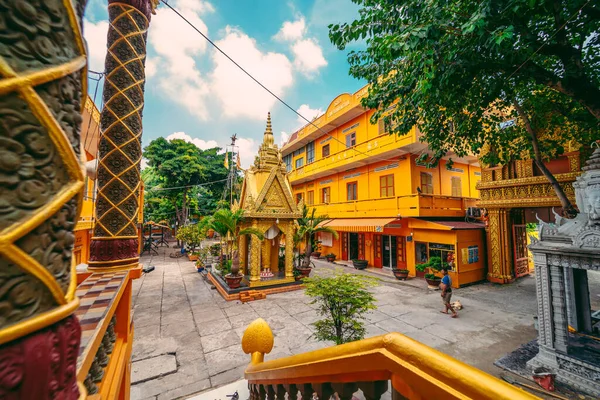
x=271 y=282
x=566 y=177
x=25 y=262
x=15 y=82
x=114 y=237
x=40 y=321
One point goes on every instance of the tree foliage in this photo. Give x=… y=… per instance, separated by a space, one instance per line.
x=179 y=164
x=342 y=300
x=308 y=227
x=456 y=70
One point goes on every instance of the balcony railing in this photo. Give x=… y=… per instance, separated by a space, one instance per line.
x=414 y=205
x=415 y=371
x=373 y=147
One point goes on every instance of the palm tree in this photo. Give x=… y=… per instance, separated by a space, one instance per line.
x=308 y=226
x=228 y=222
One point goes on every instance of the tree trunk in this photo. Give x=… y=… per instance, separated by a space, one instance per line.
x=307 y=252
x=235 y=263
x=568 y=210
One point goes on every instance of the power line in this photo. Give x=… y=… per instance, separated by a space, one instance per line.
x=187 y=186
x=261 y=85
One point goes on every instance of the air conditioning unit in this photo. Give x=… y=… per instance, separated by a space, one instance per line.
x=474 y=212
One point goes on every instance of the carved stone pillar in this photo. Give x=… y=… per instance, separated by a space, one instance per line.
x=289 y=250
x=42 y=79
x=115 y=242
x=500 y=260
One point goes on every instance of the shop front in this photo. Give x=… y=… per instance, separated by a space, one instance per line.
x=404 y=243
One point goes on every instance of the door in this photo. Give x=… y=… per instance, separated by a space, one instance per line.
x=390 y=251
x=377 y=249
x=344 y=239
x=401 y=252
x=353 y=246
x=520 y=250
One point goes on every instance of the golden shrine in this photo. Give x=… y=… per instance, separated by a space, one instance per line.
x=268 y=205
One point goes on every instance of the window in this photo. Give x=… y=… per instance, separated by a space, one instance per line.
x=325 y=151
x=325 y=195
x=310 y=152
x=456 y=186
x=426 y=183
x=299 y=162
x=352 y=191
x=351 y=139
x=298 y=197
x=386 y=185
x=381 y=127
x=310 y=197
x=288 y=162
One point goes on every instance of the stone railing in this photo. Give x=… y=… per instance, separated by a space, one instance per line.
x=415 y=371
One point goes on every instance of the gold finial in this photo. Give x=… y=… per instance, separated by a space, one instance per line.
x=269 y=140
x=154 y=4
x=257 y=340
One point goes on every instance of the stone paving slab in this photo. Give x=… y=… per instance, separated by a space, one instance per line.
x=178 y=315
x=151 y=368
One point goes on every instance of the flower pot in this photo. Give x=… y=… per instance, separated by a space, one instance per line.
x=360 y=264
x=200 y=269
x=193 y=257
x=210 y=233
x=233 y=281
x=331 y=259
x=297 y=278
x=316 y=254
x=304 y=271
x=433 y=282
x=400 y=274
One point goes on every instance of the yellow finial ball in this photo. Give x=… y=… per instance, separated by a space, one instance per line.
x=258 y=337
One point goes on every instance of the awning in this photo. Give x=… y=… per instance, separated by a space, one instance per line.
x=358 y=224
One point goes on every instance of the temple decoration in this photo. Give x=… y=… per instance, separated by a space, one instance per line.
x=43 y=75
x=568 y=338
x=115 y=242
x=268 y=205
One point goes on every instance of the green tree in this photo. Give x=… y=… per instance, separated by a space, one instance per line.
x=462 y=70
x=308 y=227
x=176 y=168
x=228 y=224
x=342 y=300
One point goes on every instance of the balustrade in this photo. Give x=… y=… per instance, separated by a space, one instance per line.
x=415 y=371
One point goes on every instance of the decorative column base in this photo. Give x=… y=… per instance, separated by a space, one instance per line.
x=113 y=254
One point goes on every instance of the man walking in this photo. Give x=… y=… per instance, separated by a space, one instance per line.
x=446 y=287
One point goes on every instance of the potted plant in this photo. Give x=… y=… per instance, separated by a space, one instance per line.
x=435 y=264
x=400 y=274
x=229 y=222
x=191 y=235
x=330 y=257
x=316 y=249
x=193 y=256
x=297 y=274
x=360 y=263
x=200 y=265
x=308 y=226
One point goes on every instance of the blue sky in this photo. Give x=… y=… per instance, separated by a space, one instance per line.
x=194 y=93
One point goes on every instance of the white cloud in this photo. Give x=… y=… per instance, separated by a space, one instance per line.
x=151 y=67
x=239 y=95
x=283 y=138
x=177 y=45
x=291 y=31
x=95 y=36
x=308 y=113
x=201 y=144
x=308 y=56
x=248 y=149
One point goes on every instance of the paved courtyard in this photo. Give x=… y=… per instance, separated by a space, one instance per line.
x=188 y=339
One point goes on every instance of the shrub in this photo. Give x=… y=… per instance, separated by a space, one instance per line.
x=342 y=300
x=435 y=263
x=215 y=250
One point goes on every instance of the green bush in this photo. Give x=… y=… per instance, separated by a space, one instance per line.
x=215 y=250
x=342 y=301
x=435 y=263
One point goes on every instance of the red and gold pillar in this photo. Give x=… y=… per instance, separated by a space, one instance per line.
x=115 y=243
x=42 y=78
x=500 y=256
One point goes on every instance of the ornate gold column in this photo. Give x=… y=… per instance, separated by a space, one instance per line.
x=289 y=249
x=254 y=256
x=42 y=80
x=500 y=258
x=266 y=254
x=115 y=242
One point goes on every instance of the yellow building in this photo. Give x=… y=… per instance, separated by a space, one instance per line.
x=389 y=207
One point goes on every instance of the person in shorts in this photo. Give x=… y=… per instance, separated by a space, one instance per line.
x=446 y=287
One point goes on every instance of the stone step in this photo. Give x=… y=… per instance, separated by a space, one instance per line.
x=222 y=392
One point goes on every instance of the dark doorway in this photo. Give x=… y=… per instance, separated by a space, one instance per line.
x=389 y=251
x=353 y=246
